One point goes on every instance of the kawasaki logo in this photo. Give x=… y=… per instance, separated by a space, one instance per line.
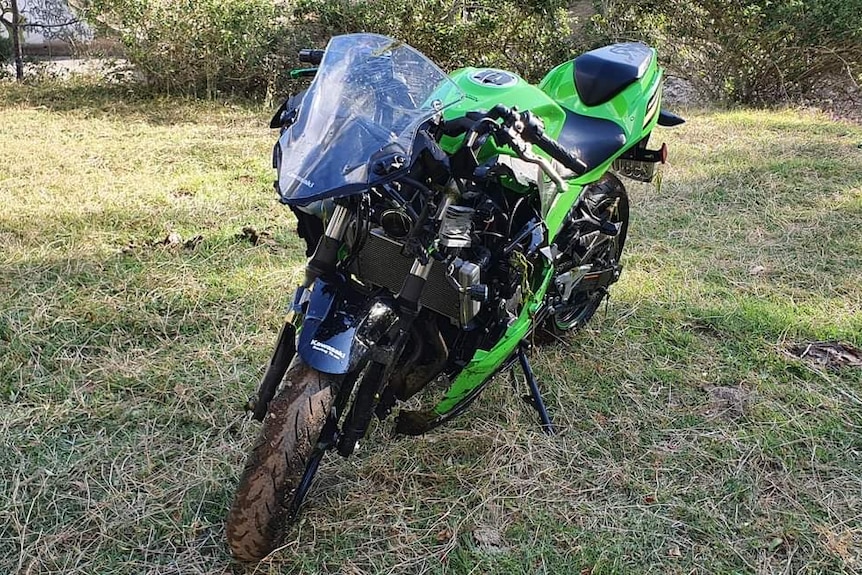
x=327 y=349
x=299 y=178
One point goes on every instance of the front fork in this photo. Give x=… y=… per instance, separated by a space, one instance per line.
x=325 y=255
x=383 y=358
x=324 y=261
x=321 y=262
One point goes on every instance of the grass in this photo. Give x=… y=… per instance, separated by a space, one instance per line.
x=690 y=441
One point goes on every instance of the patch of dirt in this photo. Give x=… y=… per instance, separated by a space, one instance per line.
x=829 y=354
x=730 y=402
x=678 y=91
x=839 y=97
x=63 y=68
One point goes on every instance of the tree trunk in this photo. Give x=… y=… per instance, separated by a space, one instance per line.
x=17 y=48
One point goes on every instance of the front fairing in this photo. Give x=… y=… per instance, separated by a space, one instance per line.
x=358 y=119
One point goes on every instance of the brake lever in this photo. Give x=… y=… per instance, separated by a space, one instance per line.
x=510 y=134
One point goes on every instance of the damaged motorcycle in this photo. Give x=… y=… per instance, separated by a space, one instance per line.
x=448 y=218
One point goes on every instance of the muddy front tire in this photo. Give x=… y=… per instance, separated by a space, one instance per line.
x=260 y=513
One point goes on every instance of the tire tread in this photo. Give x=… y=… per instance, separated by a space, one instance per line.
x=259 y=514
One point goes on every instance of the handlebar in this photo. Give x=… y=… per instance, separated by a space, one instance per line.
x=532 y=130
x=559 y=153
x=526 y=126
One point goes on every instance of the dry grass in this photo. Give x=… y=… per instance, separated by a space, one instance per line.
x=690 y=442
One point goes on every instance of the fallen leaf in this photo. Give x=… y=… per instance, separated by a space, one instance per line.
x=775 y=543
x=194 y=242
x=489 y=539
x=728 y=401
x=673 y=551
x=485 y=535
x=840 y=544
x=252 y=235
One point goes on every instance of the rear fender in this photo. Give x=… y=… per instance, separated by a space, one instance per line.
x=341 y=326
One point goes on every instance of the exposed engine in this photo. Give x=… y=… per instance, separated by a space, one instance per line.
x=475 y=270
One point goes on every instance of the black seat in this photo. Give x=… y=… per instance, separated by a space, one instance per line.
x=603 y=73
x=593 y=140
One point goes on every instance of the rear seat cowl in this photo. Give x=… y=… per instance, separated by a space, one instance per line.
x=603 y=73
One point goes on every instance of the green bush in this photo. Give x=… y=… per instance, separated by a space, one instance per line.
x=245 y=46
x=753 y=51
x=199 y=47
x=527 y=37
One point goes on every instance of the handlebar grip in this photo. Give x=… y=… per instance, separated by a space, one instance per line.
x=559 y=153
x=311 y=56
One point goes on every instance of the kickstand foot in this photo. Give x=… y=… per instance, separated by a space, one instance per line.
x=536 y=402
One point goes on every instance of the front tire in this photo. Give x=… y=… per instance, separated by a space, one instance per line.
x=261 y=510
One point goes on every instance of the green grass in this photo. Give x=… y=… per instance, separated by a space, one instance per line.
x=690 y=441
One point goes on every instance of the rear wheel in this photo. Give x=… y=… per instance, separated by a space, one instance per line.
x=607 y=202
x=265 y=501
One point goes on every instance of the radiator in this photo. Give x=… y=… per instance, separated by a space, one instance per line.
x=381 y=263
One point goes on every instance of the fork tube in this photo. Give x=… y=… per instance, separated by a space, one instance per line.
x=326 y=253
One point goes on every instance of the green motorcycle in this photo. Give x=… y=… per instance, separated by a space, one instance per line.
x=447 y=219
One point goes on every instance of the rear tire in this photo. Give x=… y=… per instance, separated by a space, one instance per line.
x=607 y=201
x=260 y=513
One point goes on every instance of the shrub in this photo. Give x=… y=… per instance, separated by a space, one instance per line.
x=527 y=37
x=198 y=47
x=5 y=49
x=754 y=51
x=245 y=46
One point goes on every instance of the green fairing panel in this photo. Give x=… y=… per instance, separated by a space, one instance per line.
x=555 y=92
x=485 y=363
x=628 y=108
x=484 y=97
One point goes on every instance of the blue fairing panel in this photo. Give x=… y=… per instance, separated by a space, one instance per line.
x=327 y=341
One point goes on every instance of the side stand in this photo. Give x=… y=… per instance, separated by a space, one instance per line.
x=535 y=398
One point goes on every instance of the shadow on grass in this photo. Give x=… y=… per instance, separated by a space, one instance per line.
x=130 y=102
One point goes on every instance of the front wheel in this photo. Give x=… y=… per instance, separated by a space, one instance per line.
x=265 y=501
